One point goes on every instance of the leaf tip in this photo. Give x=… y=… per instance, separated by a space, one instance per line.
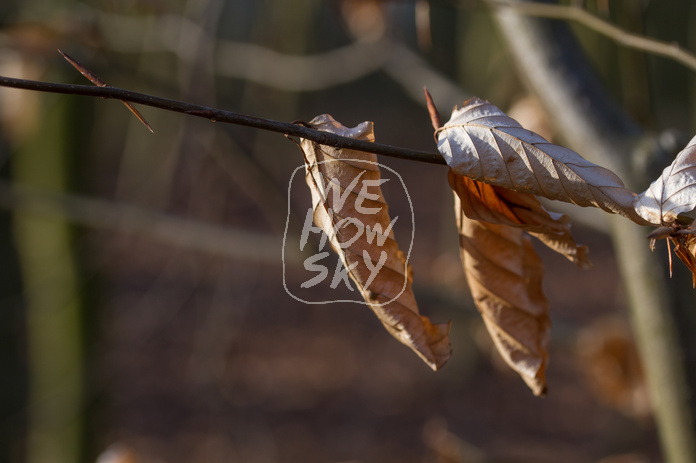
x=543 y=392
x=438 y=343
x=537 y=384
x=583 y=261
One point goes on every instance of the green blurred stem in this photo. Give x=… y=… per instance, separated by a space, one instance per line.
x=50 y=279
x=554 y=67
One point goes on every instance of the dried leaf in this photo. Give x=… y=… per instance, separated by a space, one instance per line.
x=504 y=274
x=684 y=241
x=674 y=192
x=493 y=204
x=344 y=208
x=681 y=235
x=482 y=143
x=685 y=249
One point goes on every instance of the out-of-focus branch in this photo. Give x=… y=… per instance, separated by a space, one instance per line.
x=242 y=60
x=320 y=71
x=408 y=69
x=268 y=67
x=219 y=115
x=262 y=65
x=552 y=63
x=108 y=215
x=587 y=19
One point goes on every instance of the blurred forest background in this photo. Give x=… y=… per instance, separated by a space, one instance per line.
x=142 y=310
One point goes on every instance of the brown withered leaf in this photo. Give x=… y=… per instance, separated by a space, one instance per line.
x=483 y=143
x=685 y=249
x=504 y=275
x=493 y=204
x=350 y=208
x=680 y=235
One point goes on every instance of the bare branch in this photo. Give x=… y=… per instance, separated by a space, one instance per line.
x=219 y=115
x=627 y=39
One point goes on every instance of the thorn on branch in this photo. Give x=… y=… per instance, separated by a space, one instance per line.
x=432 y=109
x=100 y=83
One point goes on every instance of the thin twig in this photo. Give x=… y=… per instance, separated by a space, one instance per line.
x=220 y=115
x=627 y=39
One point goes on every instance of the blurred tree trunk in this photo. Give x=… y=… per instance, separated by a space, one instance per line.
x=551 y=62
x=51 y=291
x=13 y=385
